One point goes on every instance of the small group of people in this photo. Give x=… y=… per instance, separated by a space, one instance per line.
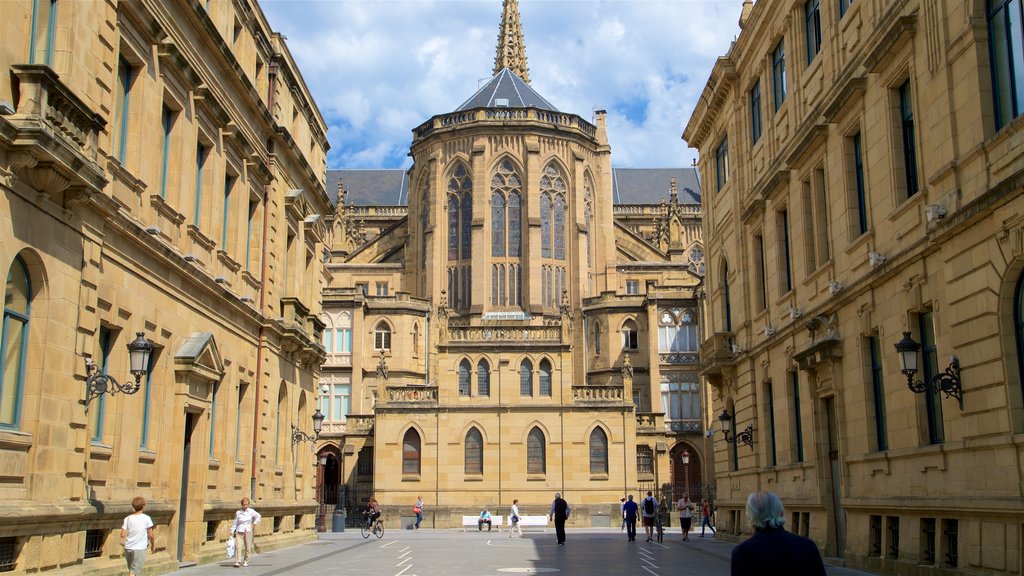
x=648 y=512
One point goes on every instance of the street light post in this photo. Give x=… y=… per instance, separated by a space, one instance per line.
x=320 y=517
x=685 y=457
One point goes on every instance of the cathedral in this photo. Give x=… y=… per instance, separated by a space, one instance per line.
x=512 y=317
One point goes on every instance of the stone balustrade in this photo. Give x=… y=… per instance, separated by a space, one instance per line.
x=551 y=334
x=503 y=115
x=597 y=393
x=414 y=394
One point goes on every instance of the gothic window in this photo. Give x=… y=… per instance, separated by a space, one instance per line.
x=559 y=228
x=453 y=227
x=465 y=371
x=588 y=217
x=411 y=452
x=545 y=377
x=467 y=231
x=526 y=378
x=14 y=342
x=483 y=378
x=382 y=336
x=630 y=335
x=424 y=216
x=514 y=224
x=677 y=330
x=545 y=227
x=497 y=224
x=474 y=452
x=535 y=457
x=598 y=452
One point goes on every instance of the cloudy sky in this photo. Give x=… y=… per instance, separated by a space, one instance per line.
x=379 y=68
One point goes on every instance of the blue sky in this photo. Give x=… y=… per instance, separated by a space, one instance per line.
x=379 y=68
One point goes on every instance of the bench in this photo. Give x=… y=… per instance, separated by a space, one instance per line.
x=471 y=521
x=531 y=521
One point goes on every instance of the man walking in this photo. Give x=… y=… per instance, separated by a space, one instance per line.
x=772 y=550
x=559 y=512
x=629 y=512
x=650 y=510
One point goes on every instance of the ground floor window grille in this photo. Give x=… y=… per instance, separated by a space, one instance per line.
x=928 y=540
x=949 y=532
x=894 y=536
x=94 y=543
x=277 y=524
x=298 y=521
x=8 y=549
x=211 y=530
x=875 y=537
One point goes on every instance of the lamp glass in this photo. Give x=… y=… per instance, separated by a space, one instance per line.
x=726 y=421
x=138 y=352
x=318 y=421
x=907 y=349
x=685 y=457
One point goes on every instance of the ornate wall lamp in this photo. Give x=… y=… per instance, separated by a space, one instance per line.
x=745 y=437
x=947 y=382
x=318 y=425
x=97 y=383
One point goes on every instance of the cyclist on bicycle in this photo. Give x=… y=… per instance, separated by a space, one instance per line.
x=372 y=511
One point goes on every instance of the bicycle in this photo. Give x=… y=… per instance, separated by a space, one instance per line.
x=372 y=527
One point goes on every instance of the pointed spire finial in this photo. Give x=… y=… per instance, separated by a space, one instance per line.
x=511 y=49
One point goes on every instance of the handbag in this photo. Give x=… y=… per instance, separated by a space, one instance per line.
x=416 y=510
x=231 y=548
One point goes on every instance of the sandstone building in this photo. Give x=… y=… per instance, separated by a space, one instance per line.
x=864 y=174
x=511 y=316
x=161 y=172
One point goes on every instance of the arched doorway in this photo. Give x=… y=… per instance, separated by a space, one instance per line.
x=686 y=477
x=328 y=481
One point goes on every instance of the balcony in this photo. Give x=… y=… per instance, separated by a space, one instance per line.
x=597 y=394
x=489 y=335
x=301 y=332
x=650 y=422
x=678 y=358
x=54 y=141
x=716 y=353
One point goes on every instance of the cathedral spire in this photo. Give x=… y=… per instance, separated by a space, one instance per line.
x=511 y=49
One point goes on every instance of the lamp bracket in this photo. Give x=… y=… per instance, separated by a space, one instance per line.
x=97 y=383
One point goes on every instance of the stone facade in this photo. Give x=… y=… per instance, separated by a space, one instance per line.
x=162 y=171
x=497 y=337
x=878 y=193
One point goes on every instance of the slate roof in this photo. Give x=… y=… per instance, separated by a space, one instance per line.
x=650 y=185
x=390 y=187
x=506 y=90
x=385 y=187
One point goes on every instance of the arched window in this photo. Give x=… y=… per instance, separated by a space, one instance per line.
x=280 y=424
x=526 y=378
x=559 y=232
x=677 y=330
x=726 y=304
x=545 y=227
x=506 y=236
x=467 y=226
x=545 y=378
x=536 y=461
x=411 y=452
x=474 y=452
x=597 y=338
x=14 y=342
x=453 y=227
x=483 y=378
x=460 y=238
x=1018 y=326
x=382 y=336
x=465 y=371
x=598 y=452
x=630 y=335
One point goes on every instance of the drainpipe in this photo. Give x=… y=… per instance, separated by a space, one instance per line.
x=272 y=82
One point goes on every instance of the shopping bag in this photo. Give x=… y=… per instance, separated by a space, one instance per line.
x=231 y=548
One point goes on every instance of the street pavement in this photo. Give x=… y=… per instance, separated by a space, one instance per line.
x=472 y=553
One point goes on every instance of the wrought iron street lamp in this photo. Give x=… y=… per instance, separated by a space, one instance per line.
x=318 y=425
x=685 y=459
x=745 y=437
x=98 y=383
x=947 y=382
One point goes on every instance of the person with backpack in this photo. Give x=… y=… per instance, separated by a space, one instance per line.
x=649 y=506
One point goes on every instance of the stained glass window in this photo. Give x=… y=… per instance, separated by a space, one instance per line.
x=411 y=452
x=497 y=224
x=467 y=226
x=587 y=216
x=424 y=215
x=483 y=378
x=545 y=227
x=514 y=224
x=545 y=378
x=559 y=228
x=598 y=452
x=494 y=284
x=474 y=452
x=535 y=458
x=464 y=375
x=526 y=378
x=453 y=228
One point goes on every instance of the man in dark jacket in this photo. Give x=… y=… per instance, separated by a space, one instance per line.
x=772 y=550
x=629 y=513
x=559 y=511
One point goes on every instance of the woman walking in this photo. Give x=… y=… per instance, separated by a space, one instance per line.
x=418 y=510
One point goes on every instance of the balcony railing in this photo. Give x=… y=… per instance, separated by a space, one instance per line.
x=597 y=393
x=412 y=394
x=717 y=351
x=484 y=116
x=551 y=334
x=678 y=357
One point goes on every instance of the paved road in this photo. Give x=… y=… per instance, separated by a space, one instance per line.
x=457 y=553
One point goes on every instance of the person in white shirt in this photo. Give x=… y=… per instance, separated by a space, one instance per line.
x=513 y=518
x=685 y=515
x=242 y=529
x=137 y=536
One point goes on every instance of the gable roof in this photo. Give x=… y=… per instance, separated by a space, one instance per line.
x=506 y=90
x=370 y=187
x=651 y=185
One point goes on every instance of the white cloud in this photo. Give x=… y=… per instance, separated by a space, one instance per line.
x=379 y=68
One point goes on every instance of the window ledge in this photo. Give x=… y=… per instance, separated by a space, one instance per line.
x=239 y=466
x=147 y=456
x=473 y=478
x=278 y=471
x=16 y=440
x=860 y=240
x=100 y=451
x=536 y=477
x=599 y=477
x=214 y=464
x=906 y=204
x=410 y=478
